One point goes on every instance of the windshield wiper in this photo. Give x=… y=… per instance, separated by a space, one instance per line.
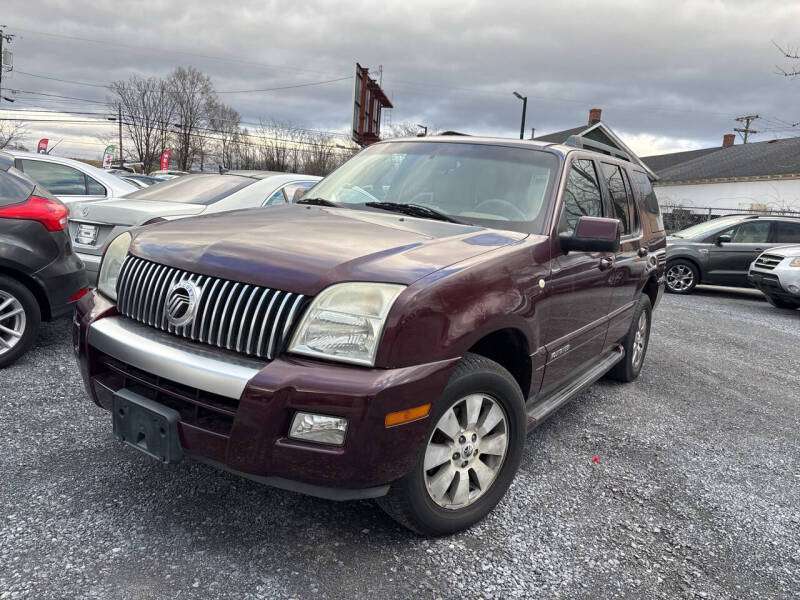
x=414 y=210
x=316 y=202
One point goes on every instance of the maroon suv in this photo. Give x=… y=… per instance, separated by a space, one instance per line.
x=394 y=334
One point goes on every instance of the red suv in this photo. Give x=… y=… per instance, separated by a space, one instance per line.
x=395 y=334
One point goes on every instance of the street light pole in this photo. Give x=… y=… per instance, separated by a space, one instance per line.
x=524 y=108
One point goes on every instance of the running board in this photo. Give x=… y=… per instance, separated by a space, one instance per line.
x=543 y=409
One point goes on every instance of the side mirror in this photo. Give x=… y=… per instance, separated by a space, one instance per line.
x=723 y=239
x=592 y=234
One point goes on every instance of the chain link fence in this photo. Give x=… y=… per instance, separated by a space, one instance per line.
x=677 y=217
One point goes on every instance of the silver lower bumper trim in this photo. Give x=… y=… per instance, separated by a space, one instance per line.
x=164 y=355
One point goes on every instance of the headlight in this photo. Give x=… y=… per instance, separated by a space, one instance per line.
x=111 y=265
x=345 y=322
x=795 y=262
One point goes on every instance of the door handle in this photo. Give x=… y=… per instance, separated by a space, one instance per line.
x=642 y=252
x=606 y=262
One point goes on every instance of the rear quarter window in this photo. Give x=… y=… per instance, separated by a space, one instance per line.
x=14 y=187
x=652 y=212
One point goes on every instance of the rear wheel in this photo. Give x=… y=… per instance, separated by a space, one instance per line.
x=682 y=276
x=19 y=320
x=471 y=453
x=635 y=344
x=778 y=302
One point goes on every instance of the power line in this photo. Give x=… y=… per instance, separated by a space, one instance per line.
x=61 y=80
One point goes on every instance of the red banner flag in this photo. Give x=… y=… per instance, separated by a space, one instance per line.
x=165 y=159
x=42 y=149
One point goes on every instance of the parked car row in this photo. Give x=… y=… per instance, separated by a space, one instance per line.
x=729 y=251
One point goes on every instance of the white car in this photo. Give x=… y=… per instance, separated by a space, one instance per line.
x=776 y=272
x=70 y=180
x=94 y=225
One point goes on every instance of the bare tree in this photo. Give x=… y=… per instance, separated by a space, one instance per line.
x=147 y=112
x=224 y=121
x=792 y=54
x=11 y=132
x=406 y=129
x=194 y=96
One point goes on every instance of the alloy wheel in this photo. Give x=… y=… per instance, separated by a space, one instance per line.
x=639 y=340
x=12 y=321
x=679 y=278
x=466 y=451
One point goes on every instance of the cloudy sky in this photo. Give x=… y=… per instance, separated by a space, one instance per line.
x=668 y=75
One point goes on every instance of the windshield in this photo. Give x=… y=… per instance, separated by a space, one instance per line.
x=493 y=186
x=193 y=189
x=702 y=229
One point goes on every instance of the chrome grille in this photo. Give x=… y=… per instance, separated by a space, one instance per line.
x=246 y=318
x=768 y=261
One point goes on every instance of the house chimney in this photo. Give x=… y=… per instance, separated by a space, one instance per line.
x=594 y=115
x=728 y=139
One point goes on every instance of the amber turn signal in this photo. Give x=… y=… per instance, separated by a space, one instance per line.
x=408 y=415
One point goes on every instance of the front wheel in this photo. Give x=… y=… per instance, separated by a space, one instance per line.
x=778 y=302
x=471 y=453
x=682 y=276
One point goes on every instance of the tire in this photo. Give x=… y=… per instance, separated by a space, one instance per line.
x=476 y=384
x=778 y=302
x=19 y=313
x=635 y=345
x=682 y=276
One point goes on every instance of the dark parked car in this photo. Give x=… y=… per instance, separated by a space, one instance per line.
x=40 y=277
x=719 y=252
x=394 y=334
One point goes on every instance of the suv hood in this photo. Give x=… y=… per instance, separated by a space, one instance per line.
x=784 y=251
x=304 y=249
x=130 y=212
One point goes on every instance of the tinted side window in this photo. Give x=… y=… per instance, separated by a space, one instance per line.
x=581 y=195
x=632 y=206
x=621 y=198
x=755 y=232
x=94 y=188
x=14 y=187
x=58 y=179
x=652 y=212
x=787 y=233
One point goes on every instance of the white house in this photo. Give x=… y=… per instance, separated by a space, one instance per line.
x=760 y=176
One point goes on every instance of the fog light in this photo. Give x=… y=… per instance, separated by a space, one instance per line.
x=794 y=289
x=322 y=429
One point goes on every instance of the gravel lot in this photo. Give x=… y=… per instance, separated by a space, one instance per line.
x=696 y=492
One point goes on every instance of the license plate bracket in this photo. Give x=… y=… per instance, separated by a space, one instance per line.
x=146 y=425
x=86 y=234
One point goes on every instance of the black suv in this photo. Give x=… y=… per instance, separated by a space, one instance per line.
x=40 y=276
x=719 y=252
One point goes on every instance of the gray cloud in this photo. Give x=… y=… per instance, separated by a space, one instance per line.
x=667 y=74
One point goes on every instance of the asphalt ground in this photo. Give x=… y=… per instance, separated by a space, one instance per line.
x=696 y=492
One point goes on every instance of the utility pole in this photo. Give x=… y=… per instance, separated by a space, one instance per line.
x=119 y=120
x=4 y=37
x=746 y=131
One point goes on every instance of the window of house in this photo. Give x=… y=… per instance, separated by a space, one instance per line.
x=582 y=196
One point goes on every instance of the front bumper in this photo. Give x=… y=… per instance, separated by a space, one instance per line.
x=777 y=282
x=236 y=411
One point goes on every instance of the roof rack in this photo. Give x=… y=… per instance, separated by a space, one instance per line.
x=579 y=141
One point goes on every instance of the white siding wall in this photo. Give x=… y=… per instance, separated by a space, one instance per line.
x=778 y=194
